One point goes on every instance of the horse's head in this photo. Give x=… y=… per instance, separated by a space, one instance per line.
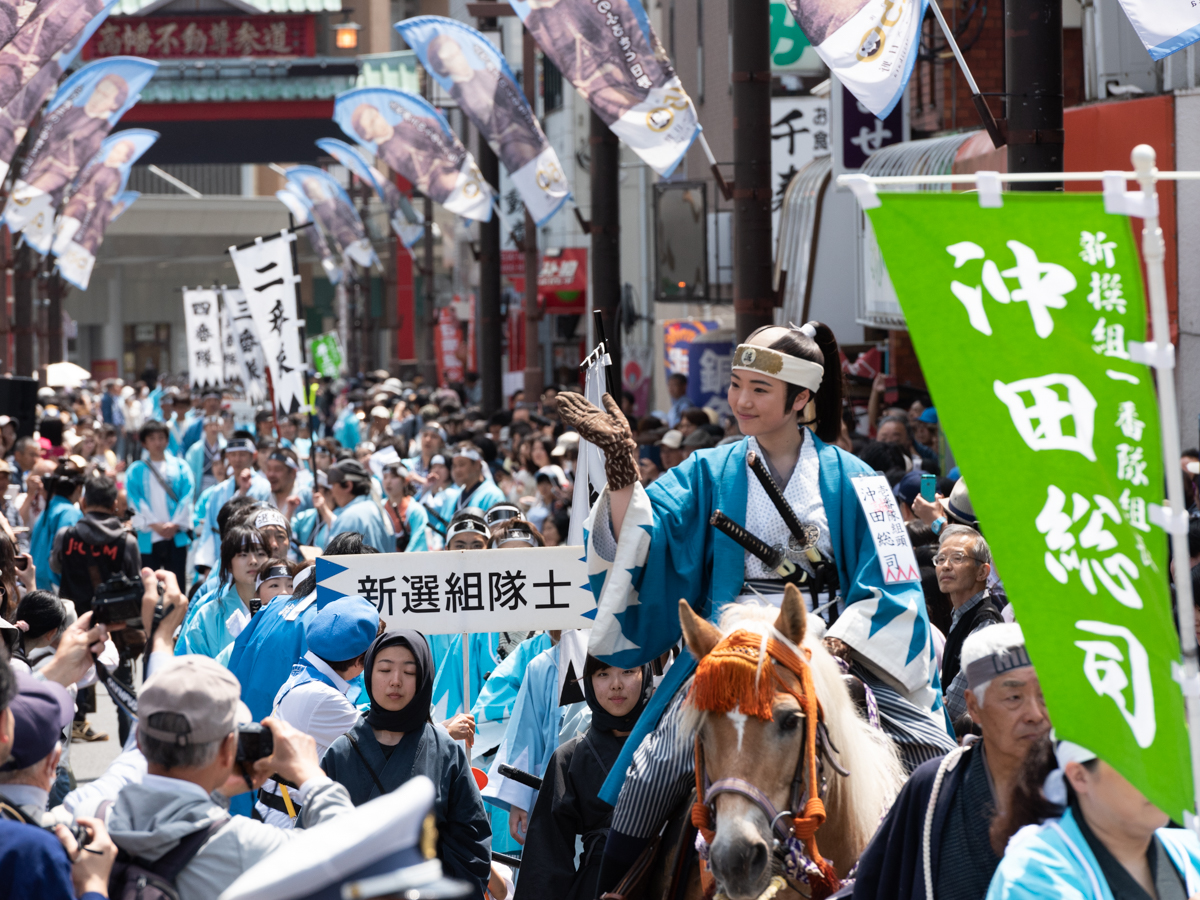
x=756 y=747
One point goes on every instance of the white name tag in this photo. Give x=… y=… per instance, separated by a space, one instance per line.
x=896 y=560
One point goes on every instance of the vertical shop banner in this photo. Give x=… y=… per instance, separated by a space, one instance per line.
x=202 y=318
x=610 y=54
x=413 y=138
x=401 y=216
x=447 y=335
x=709 y=364
x=800 y=132
x=472 y=71
x=268 y=281
x=870 y=45
x=92 y=204
x=16 y=115
x=51 y=26
x=1163 y=27
x=325 y=351
x=76 y=123
x=252 y=365
x=334 y=214
x=1023 y=318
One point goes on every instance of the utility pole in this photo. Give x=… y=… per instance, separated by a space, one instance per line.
x=425 y=322
x=491 y=327
x=55 y=288
x=606 y=235
x=533 y=348
x=753 y=297
x=1033 y=82
x=25 y=271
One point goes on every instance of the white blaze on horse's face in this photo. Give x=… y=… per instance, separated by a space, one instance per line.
x=738 y=718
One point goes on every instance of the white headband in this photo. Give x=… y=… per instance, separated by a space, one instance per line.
x=792 y=369
x=1055 y=785
x=271 y=517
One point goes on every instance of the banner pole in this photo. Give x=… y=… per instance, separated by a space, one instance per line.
x=466 y=655
x=985 y=113
x=1175 y=520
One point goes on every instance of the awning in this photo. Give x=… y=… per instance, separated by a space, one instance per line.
x=799 y=225
x=562 y=278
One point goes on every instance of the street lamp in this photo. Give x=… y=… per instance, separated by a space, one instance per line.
x=345 y=33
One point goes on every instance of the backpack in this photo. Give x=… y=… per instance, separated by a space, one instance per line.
x=133 y=878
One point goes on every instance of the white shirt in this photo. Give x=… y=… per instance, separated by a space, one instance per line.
x=158 y=498
x=803 y=494
x=318 y=709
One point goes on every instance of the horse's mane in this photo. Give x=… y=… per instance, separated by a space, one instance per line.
x=854 y=805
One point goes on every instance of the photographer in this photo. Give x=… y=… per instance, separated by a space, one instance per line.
x=87 y=555
x=188 y=730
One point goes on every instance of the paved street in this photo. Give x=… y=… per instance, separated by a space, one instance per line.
x=90 y=760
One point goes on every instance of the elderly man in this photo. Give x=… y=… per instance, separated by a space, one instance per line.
x=282 y=467
x=1005 y=700
x=963 y=564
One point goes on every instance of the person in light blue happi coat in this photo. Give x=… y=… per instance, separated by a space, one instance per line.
x=646 y=548
x=204 y=457
x=195 y=429
x=350 y=484
x=64 y=487
x=1076 y=828
x=160 y=490
x=239 y=457
x=410 y=522
x=475 y=490
x=347 y=428
x=226 y=614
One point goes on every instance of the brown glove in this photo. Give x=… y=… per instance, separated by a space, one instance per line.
x=607 y=430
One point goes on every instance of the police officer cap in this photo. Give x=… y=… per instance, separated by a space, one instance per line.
x=343 y=629
x=381 y=849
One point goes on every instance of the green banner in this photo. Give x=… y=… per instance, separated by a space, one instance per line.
x=325 y=351
x=1021 y=317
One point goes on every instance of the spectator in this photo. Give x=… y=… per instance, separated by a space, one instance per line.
x=552 y=488
x=160 y=494
x=699 y=439
x=677 y=384
x=650 y=464
x=557 y=528
x=350 y=484
x=963 y=564
x=671 y=450
x=189 y=713
x=112 y=410
x=26 y=452
x=63 y=488
x=957 y=794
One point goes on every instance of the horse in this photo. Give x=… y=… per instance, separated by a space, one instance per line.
x=767 y=710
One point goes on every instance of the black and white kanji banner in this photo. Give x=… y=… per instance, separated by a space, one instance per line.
x=461 y=591
x=203 y=321
x=250 y=364
x=269 y=281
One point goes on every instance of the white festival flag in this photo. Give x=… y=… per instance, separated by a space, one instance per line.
x=589 y=465
x=203 y=323
x=268 y=281
x=870 y=45
x=1164 y=27
x=229 y=350
x=251 y=365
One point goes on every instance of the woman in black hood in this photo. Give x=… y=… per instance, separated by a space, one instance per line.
x=396 y=741
x=568 y=803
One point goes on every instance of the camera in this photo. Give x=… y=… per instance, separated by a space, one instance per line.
x=118 y=599
x=82 y=835
x=255 y=742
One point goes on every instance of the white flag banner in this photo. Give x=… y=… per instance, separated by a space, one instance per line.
x=230 y=366
x=269 y=281
x=870 y=45
x=251 y=365
x=589 y=465
x=1164 y=27
x=202 y=319
x=460 y=591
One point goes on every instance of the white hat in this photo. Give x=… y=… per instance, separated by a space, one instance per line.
x=366 y=852
x=554 y=473
x=381 y=412
x=567 y=441
x=672 y=440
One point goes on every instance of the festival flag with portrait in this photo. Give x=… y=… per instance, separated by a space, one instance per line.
x=16 y=115
x=94 y=202
x=202 y=319
x=268 y=281
x=334 y=214
x=48 y=27
x=610 y=53
x=404 y=220
x=472 y=71
x=414 y=139
x=870 y=45
x=1028 y=320
x=238 y=321
x=301 y=209
x=75 y=125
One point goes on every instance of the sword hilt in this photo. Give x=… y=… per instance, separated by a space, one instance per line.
x=775 y=495
x=772 y=557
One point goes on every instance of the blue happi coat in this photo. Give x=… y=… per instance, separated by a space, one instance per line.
x=363 y=516
x=667 y=550
x=137 y=490
x=448 y=682
x=207 y=633
x=195 y=461
x=208 y=540
x=59 y=513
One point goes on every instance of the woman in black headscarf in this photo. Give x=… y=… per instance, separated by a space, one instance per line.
x=396 y=741
x=568 y=803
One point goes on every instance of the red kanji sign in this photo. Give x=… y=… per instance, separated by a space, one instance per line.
x=203 y=37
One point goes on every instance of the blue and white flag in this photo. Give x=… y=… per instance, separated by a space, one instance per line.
x=403 y=218
x=334 y=214
x=95 y=201
x=472 y=71
x=1164 y=27
x=612 y=56
x=870 y=45
x=301 y=209
x=80 y=116
x=413 y=138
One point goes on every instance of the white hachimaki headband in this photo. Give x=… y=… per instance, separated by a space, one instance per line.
x=759 y=357
x=271 y=517
x=1055 y=785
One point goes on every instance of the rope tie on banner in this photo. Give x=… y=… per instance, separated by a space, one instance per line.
x=731 y=678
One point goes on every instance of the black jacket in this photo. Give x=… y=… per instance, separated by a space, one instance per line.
x=87 y=553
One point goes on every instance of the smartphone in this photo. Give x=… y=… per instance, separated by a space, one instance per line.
x=928 y=487
x=22 y=562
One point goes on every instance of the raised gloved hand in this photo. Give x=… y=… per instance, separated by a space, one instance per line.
x=609 y=430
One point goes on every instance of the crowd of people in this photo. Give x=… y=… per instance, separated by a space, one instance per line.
x=161 y=542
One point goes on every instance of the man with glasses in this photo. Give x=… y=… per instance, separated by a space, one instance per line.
x=963 y=563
